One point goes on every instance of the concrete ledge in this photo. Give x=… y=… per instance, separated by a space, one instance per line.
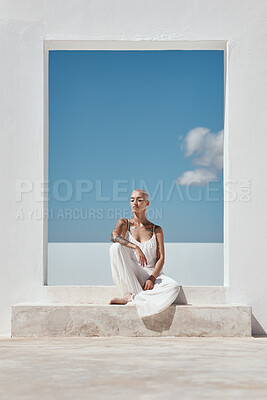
x=33 y=320
x=102 y=294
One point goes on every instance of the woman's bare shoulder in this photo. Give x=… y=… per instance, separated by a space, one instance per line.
x=121 y=221
x=158 y=229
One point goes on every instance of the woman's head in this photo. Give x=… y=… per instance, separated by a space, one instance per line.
x=139 y=200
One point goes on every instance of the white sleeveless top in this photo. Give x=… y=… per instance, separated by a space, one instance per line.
x=149 y=248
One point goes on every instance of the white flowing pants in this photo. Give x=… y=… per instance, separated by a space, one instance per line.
x=129 y=276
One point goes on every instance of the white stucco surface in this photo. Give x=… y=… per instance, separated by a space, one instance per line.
x=193 y=264
x=24 y=27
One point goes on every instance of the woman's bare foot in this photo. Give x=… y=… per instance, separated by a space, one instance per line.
x=121 y=300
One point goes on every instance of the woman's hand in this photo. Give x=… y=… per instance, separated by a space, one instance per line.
x=141 y=256
x=149 y=284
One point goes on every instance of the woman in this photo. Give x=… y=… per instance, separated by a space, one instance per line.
x=137 y=258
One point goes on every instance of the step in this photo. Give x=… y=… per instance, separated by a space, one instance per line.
x=33 y=320
x=102 y=294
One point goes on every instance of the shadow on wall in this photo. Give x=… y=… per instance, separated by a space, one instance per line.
x=257 y=329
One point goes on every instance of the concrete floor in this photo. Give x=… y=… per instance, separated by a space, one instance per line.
x=133 y=368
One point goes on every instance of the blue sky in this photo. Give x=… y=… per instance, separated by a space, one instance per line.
x=136 y=117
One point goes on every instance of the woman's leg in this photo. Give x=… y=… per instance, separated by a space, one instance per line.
x=126 y=273
x=163 y=294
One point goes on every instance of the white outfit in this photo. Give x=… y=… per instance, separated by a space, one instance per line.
x=130 y=276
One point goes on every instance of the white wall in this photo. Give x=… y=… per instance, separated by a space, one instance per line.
x=24 y=26
x=190 y=264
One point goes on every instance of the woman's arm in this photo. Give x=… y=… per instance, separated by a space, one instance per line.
x=117 y=236
x=160 y=254
x=118 y=233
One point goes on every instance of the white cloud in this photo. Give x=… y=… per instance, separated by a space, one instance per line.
x=207 y=150
x=199 y=177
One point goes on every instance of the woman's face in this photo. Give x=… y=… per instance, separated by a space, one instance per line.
x=138 y=201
